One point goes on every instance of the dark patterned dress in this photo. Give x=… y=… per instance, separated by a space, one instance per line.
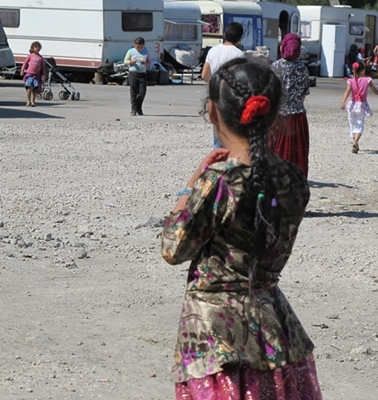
x=233 y=344
x=290 y=136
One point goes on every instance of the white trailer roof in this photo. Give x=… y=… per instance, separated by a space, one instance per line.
x=132 y=5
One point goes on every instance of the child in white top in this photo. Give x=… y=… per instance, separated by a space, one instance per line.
x=357 y=106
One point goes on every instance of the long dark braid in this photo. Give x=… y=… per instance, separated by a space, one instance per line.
x=236 y=82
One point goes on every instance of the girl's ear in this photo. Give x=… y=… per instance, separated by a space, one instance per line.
x=213 y=114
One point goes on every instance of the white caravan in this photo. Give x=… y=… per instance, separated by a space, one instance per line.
x=250 y=15
x=212 y=16
x=86 y=35
x=361 y=28
x=278 y=20
x=218 y=14
x=265 y=22
x=183 y=32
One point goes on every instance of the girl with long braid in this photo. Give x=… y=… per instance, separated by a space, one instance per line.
x=236 y=221
x=357 y=107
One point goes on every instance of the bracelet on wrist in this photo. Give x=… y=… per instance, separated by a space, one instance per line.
x=188 y=191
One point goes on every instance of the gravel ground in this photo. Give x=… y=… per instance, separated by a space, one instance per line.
x=89 y=309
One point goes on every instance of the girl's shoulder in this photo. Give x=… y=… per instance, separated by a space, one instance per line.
x=33 y=55
x=229 y=170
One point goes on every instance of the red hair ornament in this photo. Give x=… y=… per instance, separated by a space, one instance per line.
x=254 y=107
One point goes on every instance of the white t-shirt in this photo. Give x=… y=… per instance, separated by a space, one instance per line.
x=220 y=54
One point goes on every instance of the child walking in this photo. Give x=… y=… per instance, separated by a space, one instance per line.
x=33 y=72
x=138 y=58
x=236 y=221
x=357 y=106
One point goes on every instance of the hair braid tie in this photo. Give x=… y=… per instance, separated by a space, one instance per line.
x=254 y=107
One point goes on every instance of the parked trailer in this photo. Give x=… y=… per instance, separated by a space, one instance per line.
x=361 y=28
x=183 y=31
x=218 y=14
x=249 y=15
x=83 y=35
x=270 y=21
x=7 y=64
x=278 y=20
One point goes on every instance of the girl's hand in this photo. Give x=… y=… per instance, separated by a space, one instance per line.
x=214 y=156
x=22 y=73
x=342 y=106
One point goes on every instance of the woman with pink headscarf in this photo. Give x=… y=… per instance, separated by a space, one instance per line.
x=289 y=137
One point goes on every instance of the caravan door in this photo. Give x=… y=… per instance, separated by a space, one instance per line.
x=333 y=51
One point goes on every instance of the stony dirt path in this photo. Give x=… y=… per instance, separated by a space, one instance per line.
x=88 y=308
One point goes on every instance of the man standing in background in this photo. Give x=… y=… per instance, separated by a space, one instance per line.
x=221 y=53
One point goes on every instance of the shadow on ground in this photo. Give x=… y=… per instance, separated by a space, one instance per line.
x=10 y=113
x=319 y=185
x=350 y=214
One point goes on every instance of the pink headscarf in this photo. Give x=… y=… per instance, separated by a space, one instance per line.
x=291 y=46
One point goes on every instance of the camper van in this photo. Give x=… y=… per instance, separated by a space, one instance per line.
x=7 y=64
x=83 y=35
x=361 y=28
x=183 y=32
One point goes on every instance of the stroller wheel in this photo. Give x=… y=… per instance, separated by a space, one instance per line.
x=40 y=96
x=63 y=95
x=48 y=95
x=73 y=96
x=77 y=96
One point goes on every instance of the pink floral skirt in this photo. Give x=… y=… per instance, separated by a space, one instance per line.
x=293 y=381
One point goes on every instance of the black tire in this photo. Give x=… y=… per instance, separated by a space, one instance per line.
x=48 y=95
x=63 y=95
x=73 y=96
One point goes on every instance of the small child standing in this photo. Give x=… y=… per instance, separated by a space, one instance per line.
x=137 y=58
x=357 y=106
x=33 y=72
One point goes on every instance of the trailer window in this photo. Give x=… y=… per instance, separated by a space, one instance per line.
x=356 y=29
x=10 y=18
x=213 y=24
x=137 y=21
x=295 y=24
x=180 y=32
x=305 y=29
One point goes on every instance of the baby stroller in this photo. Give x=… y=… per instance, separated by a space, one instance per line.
x=53 y=75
